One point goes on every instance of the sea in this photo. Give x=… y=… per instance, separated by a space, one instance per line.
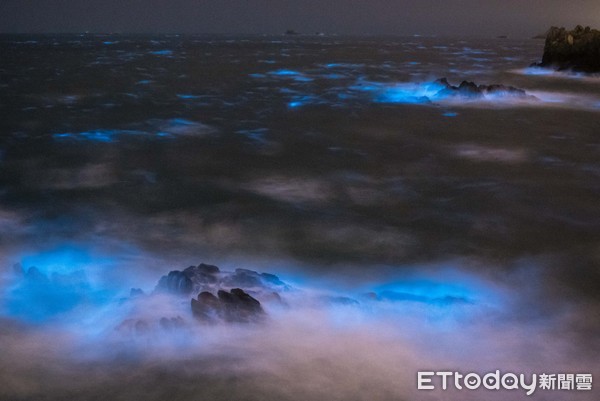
x=334 y=162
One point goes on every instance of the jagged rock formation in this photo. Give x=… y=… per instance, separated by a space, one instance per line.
x=471 y=90
x=576 y=50
x=231 y=303
x=205 y=277
x=233 y=306
x=175 y=282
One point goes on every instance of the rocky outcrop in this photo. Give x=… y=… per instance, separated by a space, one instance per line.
x=233 y=306
x=206 y=277
x=577 y=50
x=176 y=282
x=471 y=90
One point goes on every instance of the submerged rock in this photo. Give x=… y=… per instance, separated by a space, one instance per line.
x=577 y=50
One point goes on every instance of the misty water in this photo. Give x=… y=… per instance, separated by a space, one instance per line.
x=410 y=230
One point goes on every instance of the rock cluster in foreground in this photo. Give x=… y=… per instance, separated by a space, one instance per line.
x=577 y=50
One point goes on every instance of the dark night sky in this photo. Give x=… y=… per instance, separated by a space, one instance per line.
x=470 y=17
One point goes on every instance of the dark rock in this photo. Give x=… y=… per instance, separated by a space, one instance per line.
x=206 y=277
x=233 y=306
x=471 y=90
x=251 y=279
x=271 y=279
x=207 y=307
x=576 y=50
x=176 y=282
x=243 y=278
x=208 y=269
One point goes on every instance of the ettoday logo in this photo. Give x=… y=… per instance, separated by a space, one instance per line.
x=503 y=381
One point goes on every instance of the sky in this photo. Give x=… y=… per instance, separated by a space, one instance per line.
x=515 y=18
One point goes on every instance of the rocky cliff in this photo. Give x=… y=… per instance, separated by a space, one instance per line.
x=576 y=50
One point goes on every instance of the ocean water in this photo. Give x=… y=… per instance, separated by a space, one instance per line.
x=333 y=162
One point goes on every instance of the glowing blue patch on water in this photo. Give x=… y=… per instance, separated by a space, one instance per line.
x=144 y=82
x=302 y=78
x=333 y=76
x=183 y=121
x=427 y=292
x=257 y=75
x=366 y=87
x=538 y=71
x=162 y=52
x=284 y=72
x=94 y=136
x=256 y=135
x=410 y=93
x=108 y=43
x=456 y=288
x=54 y=282
x=187 y=96
x=444 y=300
x=300 y=101
x=450 y=114
x=344 y=96
x=62 y=259
x=101 y=135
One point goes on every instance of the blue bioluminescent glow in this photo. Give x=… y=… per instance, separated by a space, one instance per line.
x=162 y=52
x=94 y=136
x=103 y=135
x=456 y=289
x=166 y=128
x=186 y=96
x=295 y=75
x=256 y=135
x=284 y=73
x=333 y=76
x=450 y=114
x=538 y=71
x=410 y=93
x=299 y=101
x=56 y=281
